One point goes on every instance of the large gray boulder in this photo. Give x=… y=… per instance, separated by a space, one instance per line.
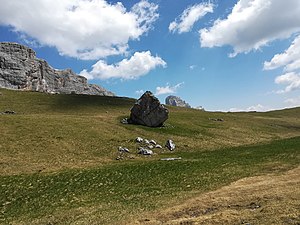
x=148 y=111
x=176 y=101
x=21 y=69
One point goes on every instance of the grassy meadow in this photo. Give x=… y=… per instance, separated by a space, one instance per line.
x=58 y=157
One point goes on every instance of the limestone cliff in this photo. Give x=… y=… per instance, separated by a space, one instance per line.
x=21 y=69
x=176 y=101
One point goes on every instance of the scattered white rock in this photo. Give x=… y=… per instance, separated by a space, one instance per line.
x=150 y=146
x=144 y=151
x=139 y=139
x=170 y=159
x=146 y=141
x=170 y=145
x=124 y=120
x=158 y=146
x=123 y=149
x=152 y=142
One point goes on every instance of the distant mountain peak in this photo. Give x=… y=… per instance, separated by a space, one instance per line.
x=176 y=101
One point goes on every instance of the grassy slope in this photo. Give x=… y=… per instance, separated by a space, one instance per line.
x=57 y=156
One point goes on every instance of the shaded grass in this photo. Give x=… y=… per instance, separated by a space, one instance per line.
x=133 y=187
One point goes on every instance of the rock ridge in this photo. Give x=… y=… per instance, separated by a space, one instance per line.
x=21 y=69
x=176 y=101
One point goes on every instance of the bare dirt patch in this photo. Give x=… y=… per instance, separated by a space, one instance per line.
x=267 y=199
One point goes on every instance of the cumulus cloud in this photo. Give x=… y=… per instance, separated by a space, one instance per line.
x=168 y=89
x=293 y=102
x=292 y=80
x=78 y=28
x=253 y=24
x=189 y=17
x=139 y=92
x=258 y=108
x=138 y=65
x=192 y=67
x=290 y=59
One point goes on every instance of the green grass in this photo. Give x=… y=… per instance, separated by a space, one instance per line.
x=133 y=187
x=57 y=157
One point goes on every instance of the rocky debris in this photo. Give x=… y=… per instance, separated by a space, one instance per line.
x=144 y=151
x=170 y=159
x=148 y=111
x=8 y=112
x=145 y=147
x=217 y=119
x=124 y=121
x=21 y=69
x=152 y=142
x=170 y=145
x=176 y=101
x=123 y=149
x=139 y=139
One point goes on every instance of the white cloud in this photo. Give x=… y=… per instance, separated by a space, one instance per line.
x=189 y=17
x=192 y=67
x=139 y=92
x=168 y=89
x=253 y=24
x=90 y=29
x=258 y=108
x=293 y=102
x=290 y=59
x=138 y=65
x=292 y=80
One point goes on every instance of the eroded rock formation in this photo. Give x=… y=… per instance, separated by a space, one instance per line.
x=21 y=69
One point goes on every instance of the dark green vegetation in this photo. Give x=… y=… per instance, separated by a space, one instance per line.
x=57 y=157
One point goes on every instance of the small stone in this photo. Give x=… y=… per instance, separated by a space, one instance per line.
x=124 y=121
x=150 y=146
x=139 y=139
x=144 y=151
x=170 y=145
x=152 y=142
x=146 y=141
x=123 y=149
x=158 y=146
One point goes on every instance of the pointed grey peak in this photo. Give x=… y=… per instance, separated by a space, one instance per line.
x=21 y=69
x=176 y=101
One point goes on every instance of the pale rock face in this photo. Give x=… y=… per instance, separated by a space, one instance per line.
x=20 y=69
x=176 y=101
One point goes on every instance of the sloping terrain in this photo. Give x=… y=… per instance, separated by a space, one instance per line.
x=57 y=157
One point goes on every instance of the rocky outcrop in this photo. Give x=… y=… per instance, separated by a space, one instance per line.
x=21 y=69
x=176 y=101
x=148 y=111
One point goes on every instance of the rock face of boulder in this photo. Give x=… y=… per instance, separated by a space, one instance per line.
x=176 y=101
x=20 y=69
x=148 y=111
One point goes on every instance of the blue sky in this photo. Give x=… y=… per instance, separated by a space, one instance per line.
x=222 y=55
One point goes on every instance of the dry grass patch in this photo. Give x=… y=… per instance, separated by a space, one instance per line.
x=267 y=199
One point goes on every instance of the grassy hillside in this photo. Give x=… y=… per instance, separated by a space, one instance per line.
x=57 y=157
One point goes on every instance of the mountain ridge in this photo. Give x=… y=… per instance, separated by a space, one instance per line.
x=21 y=69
